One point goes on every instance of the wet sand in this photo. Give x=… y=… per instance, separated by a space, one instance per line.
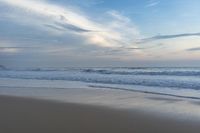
x=26 y=115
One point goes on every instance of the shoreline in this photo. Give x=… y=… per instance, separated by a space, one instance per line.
x=163 y=105
x=22 y=115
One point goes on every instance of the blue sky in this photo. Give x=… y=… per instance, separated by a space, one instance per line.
x=99 y=33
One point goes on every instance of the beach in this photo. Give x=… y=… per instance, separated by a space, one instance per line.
x=100 y=100
x=28 y=115
x=99 y=66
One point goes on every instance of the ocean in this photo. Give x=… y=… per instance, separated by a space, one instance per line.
x=173 y=81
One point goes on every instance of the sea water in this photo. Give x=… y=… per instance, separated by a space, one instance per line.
x=174 y=81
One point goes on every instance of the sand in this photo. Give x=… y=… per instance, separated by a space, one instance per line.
x=27 y=115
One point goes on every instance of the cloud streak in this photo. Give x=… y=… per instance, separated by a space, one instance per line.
x=57 y=20
x=193 y=49
x=162 y=37
x=15 y=49
x=72 y=27
x=152 y=3
x=1 y=47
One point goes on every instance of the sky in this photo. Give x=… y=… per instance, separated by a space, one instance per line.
x=81 y=33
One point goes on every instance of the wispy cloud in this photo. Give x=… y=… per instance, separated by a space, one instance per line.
x=162 y=37
x=66 y=27
x=88 y=3
x=152 y=3
x=193 y=49
x=9 y=50
x=93 y=2
x=72 y=27
x=114 y=31
x=15 y=49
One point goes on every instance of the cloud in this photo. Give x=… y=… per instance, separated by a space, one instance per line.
x=66 y=27
x=152 y=3
x=65 y=34
x=86 y=3
x=113 y=30
x=162 y=37
x=9 y=50
x=89 y=3
x=14 y=50
x=14 y=47
x=193 y=49
x=54 y=27
x=72 y=27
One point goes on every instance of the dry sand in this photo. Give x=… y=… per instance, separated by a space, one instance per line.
x=25 y=115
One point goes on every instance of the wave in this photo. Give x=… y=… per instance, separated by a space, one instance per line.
x=183 y=82
x=163 y=71
x=152 y=72
x=148 y=92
